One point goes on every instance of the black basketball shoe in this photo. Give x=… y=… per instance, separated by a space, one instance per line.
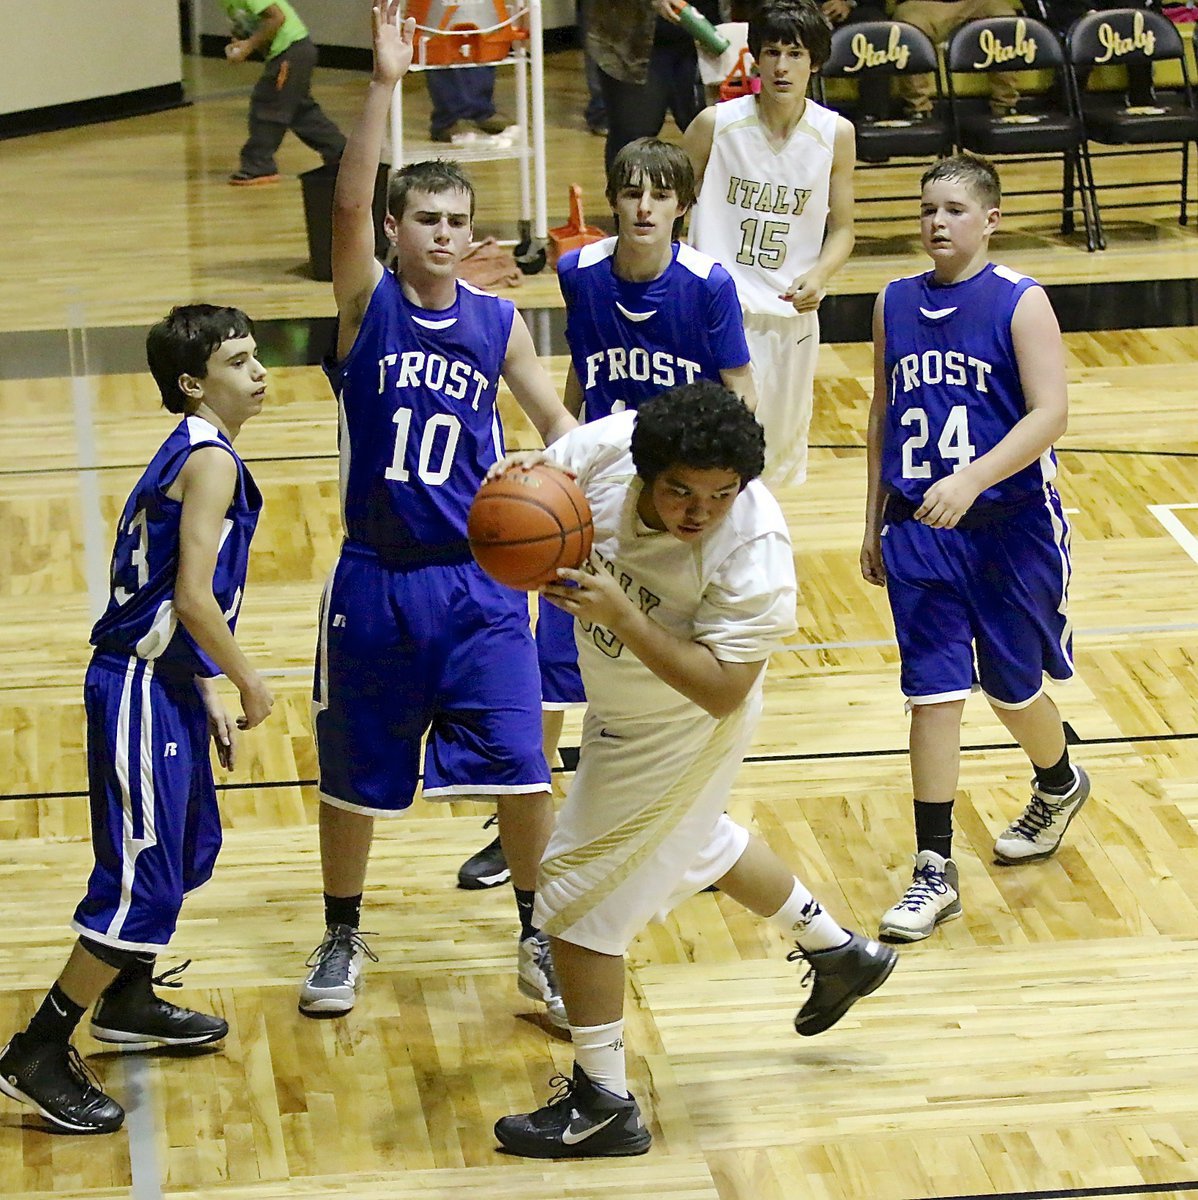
x=583 y=1120
x=51 y=1077
x=486 y=869
x=129 y=1014
x=841 y=977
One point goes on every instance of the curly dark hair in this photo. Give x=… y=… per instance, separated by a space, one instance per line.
x=701 y=425
x=432 y=175
x=183 y=342
x=792 y=23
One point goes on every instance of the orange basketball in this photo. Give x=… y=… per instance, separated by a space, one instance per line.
x=527 y=523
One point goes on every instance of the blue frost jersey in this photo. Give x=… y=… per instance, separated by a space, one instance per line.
x=419 y=424
x=630 y=341
x=954 y=389
x=140 y=618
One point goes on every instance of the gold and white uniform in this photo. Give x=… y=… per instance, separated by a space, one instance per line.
x=643 y=826
x=763 y=212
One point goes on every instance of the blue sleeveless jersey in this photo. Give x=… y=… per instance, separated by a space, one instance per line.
x=630 y=341
x=419 y=424
x=953 y=383
x=140 y=618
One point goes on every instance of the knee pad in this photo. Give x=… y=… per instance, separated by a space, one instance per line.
x=114 y=956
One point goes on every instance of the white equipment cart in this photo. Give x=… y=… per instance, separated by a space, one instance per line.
x=515 y=35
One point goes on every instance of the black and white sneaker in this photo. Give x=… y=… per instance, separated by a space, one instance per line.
x=841 y=977
x=486 y=869
x=537 y=978
x=1037 y=832
x=52 y=1078
x=583 y=1120
x=332 y=984
x=130 y=1016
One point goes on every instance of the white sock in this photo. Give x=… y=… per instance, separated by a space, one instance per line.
x=599 y=1051
x=802 y=918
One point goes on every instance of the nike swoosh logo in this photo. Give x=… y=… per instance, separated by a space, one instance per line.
x=802 y=339
x=572 y=1139
x=62 y=1012
x=937 y=313
x=613 y=736
x=635 y=316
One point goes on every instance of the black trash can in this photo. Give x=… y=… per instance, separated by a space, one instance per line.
x=317 y=187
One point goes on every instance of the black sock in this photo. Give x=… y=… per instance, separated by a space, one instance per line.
x=343 y=910
x=934 y=827
x=55 y=1021
x=524 y=903
x=1057 y=779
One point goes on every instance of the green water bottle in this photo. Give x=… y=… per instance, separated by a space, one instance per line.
x=702 y=30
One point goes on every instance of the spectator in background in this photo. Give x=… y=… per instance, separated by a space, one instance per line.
x=648 y=66
x=463 y=103
x=282 y=97
x=595 y=113
x=938 y=19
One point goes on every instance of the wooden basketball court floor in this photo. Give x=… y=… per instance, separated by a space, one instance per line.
x=1045 y=1045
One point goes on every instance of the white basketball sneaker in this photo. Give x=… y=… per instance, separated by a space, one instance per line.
x=933 y=896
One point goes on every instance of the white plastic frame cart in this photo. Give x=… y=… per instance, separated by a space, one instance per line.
x=528 y=145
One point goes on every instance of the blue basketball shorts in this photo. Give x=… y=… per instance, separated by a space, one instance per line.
x=155 y=823
x=557 y=656
x=404 y=651
x=998 y=592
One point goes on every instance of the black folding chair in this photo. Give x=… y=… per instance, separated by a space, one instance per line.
x=1123 y=37
x=1046 y=126
x=887 y=48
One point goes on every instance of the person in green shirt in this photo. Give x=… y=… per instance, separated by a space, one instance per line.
x=282 y=97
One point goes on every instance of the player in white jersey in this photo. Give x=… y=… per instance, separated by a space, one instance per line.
x=689 y=587
x=775 y=177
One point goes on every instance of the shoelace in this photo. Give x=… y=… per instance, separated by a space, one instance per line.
x=926 y=883
x=1035 y=819
x=794 y=956
x=353 y=941
x=83 y=1074
x=167 y=978
x=565 y=1090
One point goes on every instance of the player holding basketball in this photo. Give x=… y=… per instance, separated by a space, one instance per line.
x=775 y=206
x=964 y=527
x=413 y=636
x=643 y=312
x=178 y=572
x=689 y=587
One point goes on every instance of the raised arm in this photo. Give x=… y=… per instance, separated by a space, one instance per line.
x=532 y=387
x=356 y=271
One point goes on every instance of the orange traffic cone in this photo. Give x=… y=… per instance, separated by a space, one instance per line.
x=576 y=232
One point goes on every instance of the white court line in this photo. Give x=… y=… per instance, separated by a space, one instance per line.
x=1164 y=513
x=95 y=556
x=145 y=1169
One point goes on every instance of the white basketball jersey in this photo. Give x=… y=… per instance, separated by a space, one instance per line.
x=764 y=207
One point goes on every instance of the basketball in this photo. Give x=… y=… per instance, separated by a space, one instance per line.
x=527 y=523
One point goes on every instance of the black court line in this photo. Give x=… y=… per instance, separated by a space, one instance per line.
x=1130 y=1189
x=570 y=755
x=846 y=318
x=840 y=448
